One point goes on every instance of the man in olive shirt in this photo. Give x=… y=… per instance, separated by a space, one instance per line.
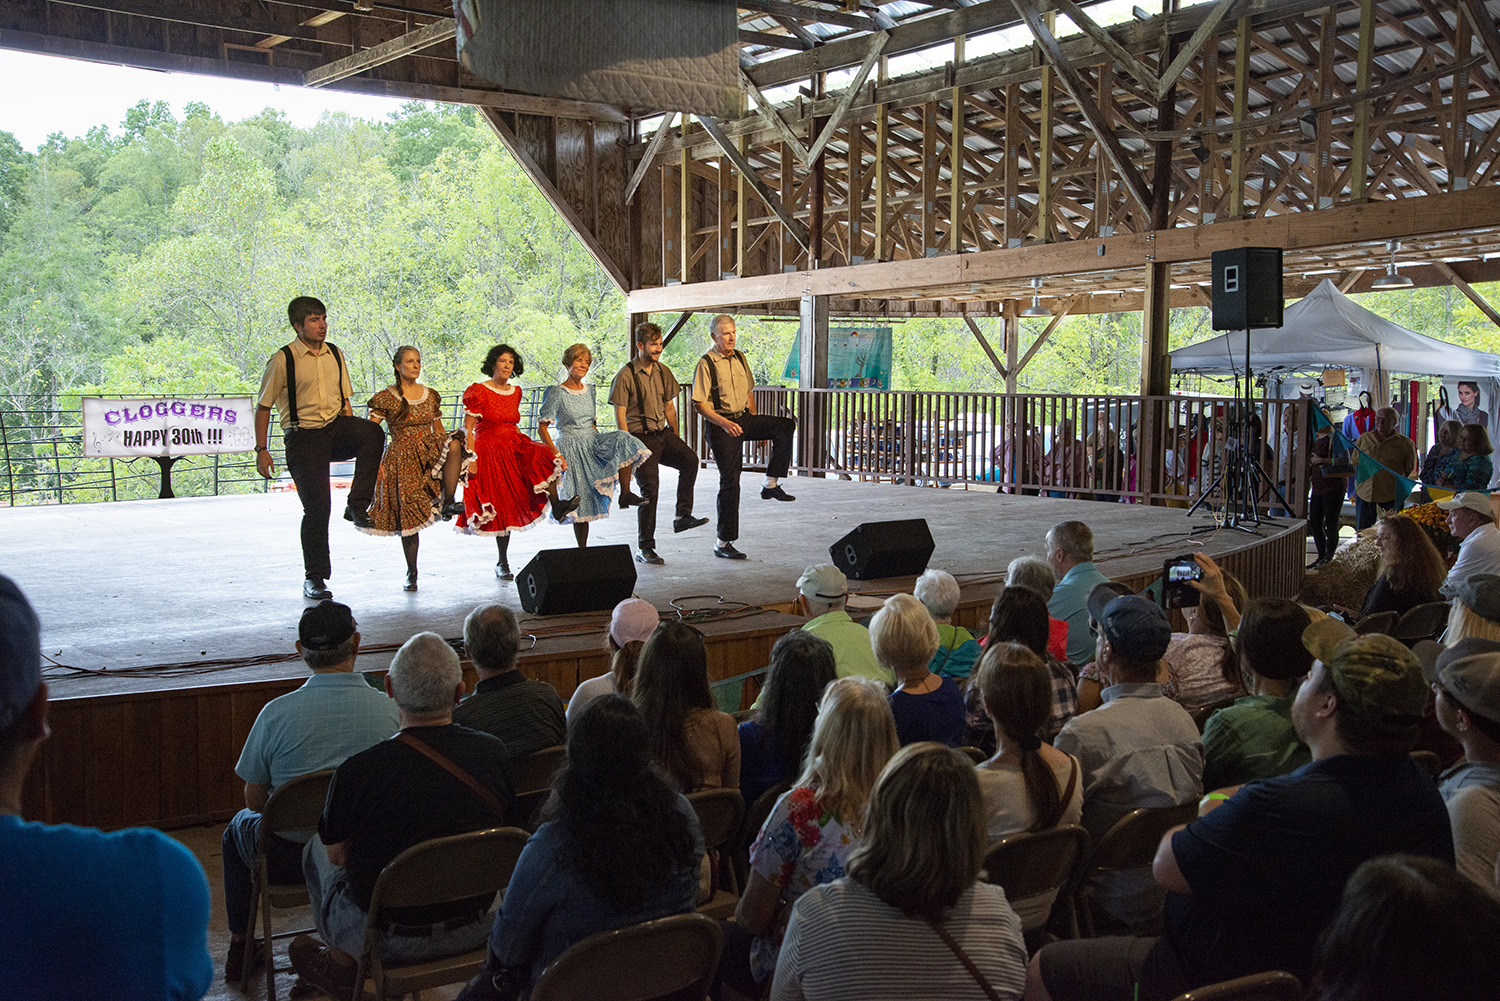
x=1391 y=449
x=319 y=427
x=722 y=386
x=644 y=395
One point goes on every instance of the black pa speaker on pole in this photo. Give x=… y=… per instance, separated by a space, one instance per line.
x=884 y=549
x=592 y=579
x=1247 y=288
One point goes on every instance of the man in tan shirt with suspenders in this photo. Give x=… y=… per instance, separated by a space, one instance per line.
x=319 y=427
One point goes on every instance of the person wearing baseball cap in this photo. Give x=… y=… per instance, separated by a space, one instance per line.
x=1471 y=520
x=1139 y=748
x=631 y=622
x=1466 y=679
x=1475 y=611
x=333 y=715
x=822 y=591
x=83 y=913
x=1256 y=878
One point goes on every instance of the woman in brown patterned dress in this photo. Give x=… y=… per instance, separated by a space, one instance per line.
x=419 y=470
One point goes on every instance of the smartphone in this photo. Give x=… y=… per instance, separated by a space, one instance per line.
x=1176 y=592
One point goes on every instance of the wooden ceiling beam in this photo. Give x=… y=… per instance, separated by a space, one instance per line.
x=747 y=171
x=810 y=15
x=437 y=32
x=205 y=17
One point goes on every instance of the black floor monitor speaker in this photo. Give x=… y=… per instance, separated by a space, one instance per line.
x=1247 y=288
x=592 y=579
x=884 y=549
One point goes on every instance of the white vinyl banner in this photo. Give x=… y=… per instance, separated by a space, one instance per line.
x=168 y=426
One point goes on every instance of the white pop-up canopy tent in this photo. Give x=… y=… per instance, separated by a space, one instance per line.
x=1327 y=329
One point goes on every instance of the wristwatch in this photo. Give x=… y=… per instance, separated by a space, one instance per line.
x=260 y=448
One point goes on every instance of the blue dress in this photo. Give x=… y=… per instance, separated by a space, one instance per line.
x=594 y=457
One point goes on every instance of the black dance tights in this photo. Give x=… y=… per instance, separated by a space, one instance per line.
x=502 y=542
x=409 y=550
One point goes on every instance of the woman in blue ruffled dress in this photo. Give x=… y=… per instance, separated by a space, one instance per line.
x=596 y=460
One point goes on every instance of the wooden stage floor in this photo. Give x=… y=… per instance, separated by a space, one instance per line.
x=134 y=584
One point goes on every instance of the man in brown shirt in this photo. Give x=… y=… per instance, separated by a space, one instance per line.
x=1396 y=453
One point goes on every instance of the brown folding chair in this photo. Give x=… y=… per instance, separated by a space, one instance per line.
x=1424 y=622
x=755 y=819
x=533 y=775
x=637 y=962
x=1028 y=865
x=1376 y=622
x=1202 y=713
x=439 y=871
x=1273 y=985
x=1130 y=844
x=296 y=805
x=721 y=814
x=975 y=754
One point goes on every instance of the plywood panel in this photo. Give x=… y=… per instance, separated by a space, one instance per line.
x=536 y=135
x=217 y=751
x=180 y=776
x=572 y=155
x=103 y=780
x=141 y=761
x=612 y=224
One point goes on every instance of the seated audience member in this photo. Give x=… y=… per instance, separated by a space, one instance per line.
x=1476 y=609
x=896 y=926
x=822 y=592
x=1028 y=785
x=617 y=846
x=1255 y=738
x=390 y=797
x=1020 y=616
x=1474 y=465
x=809 y=836
x=695 y=743
x=773 y=741
x=526 y=714
x=1036 y=574
x=1471 y=520
x=957 y=648
x=1409 y=927
x=1070 y=551
x=1201 y=668
x=84 y=914
x=1466 y=678
x=1089 y=687
x=1411 y=570
x=927 y=706
x=631 y=623
x=333 y=715
x=1139 y=749
x=1253 y=881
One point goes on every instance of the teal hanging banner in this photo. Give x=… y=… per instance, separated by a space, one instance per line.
x=858 y=358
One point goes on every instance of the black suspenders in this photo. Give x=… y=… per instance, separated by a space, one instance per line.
x=713 y=379
x=291 y=382
x=640 y=393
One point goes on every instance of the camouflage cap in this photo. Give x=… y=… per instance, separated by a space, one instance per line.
x=1373 y=672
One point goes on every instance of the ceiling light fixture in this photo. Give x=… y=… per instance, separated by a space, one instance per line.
x=1036 y=309
x=1392 y=278
x=1308 y=126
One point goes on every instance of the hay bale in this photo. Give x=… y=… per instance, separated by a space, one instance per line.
x=1345 y=579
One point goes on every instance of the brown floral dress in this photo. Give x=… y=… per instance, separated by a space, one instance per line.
x=408 y=488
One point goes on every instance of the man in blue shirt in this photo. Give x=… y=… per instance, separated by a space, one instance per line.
x=84 y=914
x=1252 y=882
x=1070 y=550
x=333 y=715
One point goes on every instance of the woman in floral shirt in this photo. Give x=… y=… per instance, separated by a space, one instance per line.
x=813 y=829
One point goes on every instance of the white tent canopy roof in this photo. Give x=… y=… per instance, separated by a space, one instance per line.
x=1327 y=329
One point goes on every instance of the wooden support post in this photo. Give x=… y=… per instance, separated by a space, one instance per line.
x=1010 y=316
x=1044 y=162
x=1323 y=170
x=817 y=198
x=741 y=216
x=685 y=206
x=882 y=180
x=1103 y=222
x=956 y=174
x=929 y=179
x=812 y=373
x=1359 y=151
x=1156 y=314
x=1013 y=165
x=728 y=201
x=670 y=231
x=856 y=179
x=1458 y=136
x=790 y=248
x=1241 y=108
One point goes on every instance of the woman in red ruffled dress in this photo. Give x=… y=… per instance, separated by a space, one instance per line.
x=510 y=476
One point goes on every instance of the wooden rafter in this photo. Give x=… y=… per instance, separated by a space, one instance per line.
x=386 y=52
x=792 y=225
x=836 y=120
x=645 y=165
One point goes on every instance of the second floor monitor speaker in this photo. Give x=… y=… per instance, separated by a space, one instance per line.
x=561 y=581
x=884 y=549
x=1247 y=288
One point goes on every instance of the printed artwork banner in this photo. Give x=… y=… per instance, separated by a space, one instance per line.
x=858 y=358
x=168 y=426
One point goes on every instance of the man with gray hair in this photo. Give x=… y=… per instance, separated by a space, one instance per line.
x=1397 y=454
x=1471 y=520
x=957 y=650
x=433 y=779
x=526 y=714
x=1070 y=551
x=1035 y=574
x=822 y=592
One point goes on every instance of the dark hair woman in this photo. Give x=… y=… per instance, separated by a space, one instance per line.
x=774 y=740
x=419 y=470
x=618 y=846
x=913 y=879
x=1474 y=465
x=1019 y=615
x=510 y=476
x=696 y=743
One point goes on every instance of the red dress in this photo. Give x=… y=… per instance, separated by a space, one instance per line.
x=508 y=489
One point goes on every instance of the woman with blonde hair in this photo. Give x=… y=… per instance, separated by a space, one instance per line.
x=927 y=706
x=595 y=460
x=1028 y=785
x=813 y=829
x=911 y=920
x=1476 y=610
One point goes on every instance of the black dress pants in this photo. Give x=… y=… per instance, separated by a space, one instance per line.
x=729 y=454
x=308 y=454
x=1323 y=513
x=667 y=449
